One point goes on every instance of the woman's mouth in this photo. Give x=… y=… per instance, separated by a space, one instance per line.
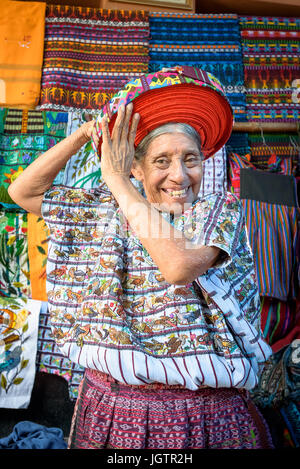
x=177 y=194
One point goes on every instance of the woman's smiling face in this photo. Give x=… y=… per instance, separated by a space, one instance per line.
x=171 y=171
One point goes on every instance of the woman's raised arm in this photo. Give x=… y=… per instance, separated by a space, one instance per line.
x=28 y=189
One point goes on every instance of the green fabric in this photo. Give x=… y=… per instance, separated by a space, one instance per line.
x=40 y=131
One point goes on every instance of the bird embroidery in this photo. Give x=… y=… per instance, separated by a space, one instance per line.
x=119 y=336
x=74 y=296
x=59 y=272
x=136 y=280
x=77 y=275
x=79 y=333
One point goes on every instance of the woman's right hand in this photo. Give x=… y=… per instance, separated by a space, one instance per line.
x=117 y=150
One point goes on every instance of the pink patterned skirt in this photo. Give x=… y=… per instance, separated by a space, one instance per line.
x=109 y=414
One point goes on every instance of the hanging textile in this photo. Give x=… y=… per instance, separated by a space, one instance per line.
x=272 y=67
x=49 y=358
x=280 y=322
x=208 y=41
x=19 y=319
x=22 y=28
x=238 y=143
x=214 y=176
x=83 y=169
x=285 y=146
x=24 y=135
x=90 y=54
x=38 y=234
x=14 y=262
x=235 y=163
x=270 y=207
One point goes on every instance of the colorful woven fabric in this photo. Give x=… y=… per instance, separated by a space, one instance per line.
x=22 y=30
x=280 y=322
x=113 y=415
x=286 y=147
x=50 y=360
x=14 y=261
x=208 y=41
x=271 y=213
x=235 y=163
x=272 y=67
x=19 y=319
x=24 y=135
x=136 y=330
x=89 y=54
x=238 y=143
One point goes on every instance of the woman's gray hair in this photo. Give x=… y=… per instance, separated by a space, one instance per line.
x=170 y=128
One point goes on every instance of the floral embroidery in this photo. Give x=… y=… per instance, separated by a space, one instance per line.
x=18 y=346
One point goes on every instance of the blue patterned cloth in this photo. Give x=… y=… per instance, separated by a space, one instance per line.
x=208 y=41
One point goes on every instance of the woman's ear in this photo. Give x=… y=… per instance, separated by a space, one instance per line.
x=137 y=171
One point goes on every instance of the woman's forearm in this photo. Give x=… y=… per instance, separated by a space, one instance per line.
x=28 y=189
x=178 y=259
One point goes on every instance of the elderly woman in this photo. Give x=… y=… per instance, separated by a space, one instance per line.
x=150 y=288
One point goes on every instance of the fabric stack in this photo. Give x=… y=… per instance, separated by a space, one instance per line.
x=208 y=41
x=272 y=67
x=90 y=54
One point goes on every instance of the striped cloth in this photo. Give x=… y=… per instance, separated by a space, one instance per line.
x=208 y=41
x=90 y=54
x=280 y=322
x=272 y=67
x=271 y=213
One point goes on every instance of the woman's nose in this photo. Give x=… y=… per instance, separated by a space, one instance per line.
x=177 y=172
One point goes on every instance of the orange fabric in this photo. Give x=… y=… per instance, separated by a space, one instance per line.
x=22 y=31
x=38 y=234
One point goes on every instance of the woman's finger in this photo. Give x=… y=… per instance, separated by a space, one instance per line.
x=118 y=125
x=127 y=117
x=106 y=139
x=133 y=129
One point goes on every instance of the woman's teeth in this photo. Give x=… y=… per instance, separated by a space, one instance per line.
x=180 y=193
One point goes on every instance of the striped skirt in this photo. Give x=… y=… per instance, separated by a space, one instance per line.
x=109 y=414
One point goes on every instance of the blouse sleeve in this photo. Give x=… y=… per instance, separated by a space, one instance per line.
x=219 y=222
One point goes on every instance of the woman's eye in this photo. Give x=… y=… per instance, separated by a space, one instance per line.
x=192 y=159
x=162 y=161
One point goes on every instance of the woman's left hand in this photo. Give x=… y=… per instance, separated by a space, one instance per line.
x=117 y=149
